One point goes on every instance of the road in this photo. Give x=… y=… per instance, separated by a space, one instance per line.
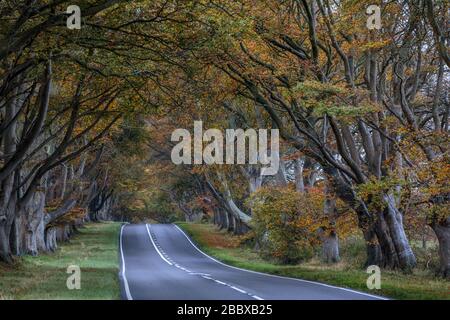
x=160 y=262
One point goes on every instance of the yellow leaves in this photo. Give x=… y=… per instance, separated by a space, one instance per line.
x=374 y=45
x=346 y=224
x=434 y=177
x=288 y=220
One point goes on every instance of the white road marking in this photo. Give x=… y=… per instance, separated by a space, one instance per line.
x=156 y=248
x=199 y=274
x=237 y=289
x=166 y=258
x=125 y=281
x=220 y=282
x=275 y=276
x=184 y=269
x=232 y=287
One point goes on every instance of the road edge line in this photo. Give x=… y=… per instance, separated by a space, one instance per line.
x=125 y=281
x=276 y=276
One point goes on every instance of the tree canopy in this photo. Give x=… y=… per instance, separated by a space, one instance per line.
x=86 y=118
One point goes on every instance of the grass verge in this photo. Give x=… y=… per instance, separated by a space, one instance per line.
x=397 y=285
x=94 y=250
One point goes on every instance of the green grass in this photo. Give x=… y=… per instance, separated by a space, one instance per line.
x=94 y=250
x=397 y=285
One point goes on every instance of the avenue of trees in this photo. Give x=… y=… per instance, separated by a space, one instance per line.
x=86 y=118
x=65 y=97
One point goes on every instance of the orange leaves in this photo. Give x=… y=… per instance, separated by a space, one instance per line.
x=286 y=220
x=434 y=177
x=205 y=203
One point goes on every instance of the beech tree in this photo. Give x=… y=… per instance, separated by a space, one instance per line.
x=363 y=116
x=366 y=106
x=364 y=149
x=62 y=93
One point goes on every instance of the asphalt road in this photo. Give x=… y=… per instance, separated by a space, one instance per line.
x=159 y=262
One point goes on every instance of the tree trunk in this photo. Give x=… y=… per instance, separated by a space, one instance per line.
x=366 y=220
x=236 y=226
x=240 y=227
x=386 y=242
x=64 y=181
x=389 y=257
x=328 y=235
x=373 y=249
x=223 y=219
x=442 y=231
x=219 y=218
x=299 y=181
x=50 y=239
x=5 y=249
x=14 y=241
x=394 y=220
x=9 y=140
x=230 y=225
x=34 y=213
x=214 y=220
x=6 y=223
x=255 y=179
x=391 y=248
x=40 y=237
x=280 y=176
x=18 y=235
x=217 y=221
x=63 y=233
x=330 y=247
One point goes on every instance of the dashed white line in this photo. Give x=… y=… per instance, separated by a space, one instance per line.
x=203 y=275
x=232 y=287
x=184 y=269
x=237 y=289
x=166 y=259
x=199 y=274
x=156 y=248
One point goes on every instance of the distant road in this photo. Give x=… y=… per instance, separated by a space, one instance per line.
x=159 y=262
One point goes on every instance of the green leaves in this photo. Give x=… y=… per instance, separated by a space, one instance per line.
x=333 y=100
x=316 y=89
x=344 y=110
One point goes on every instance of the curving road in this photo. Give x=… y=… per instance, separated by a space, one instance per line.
x=159 y=262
